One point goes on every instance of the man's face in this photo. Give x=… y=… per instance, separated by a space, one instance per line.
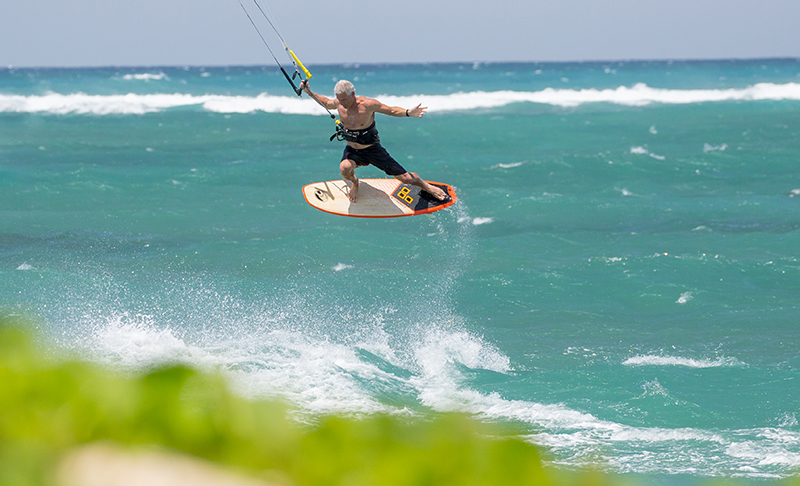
x=346 y=99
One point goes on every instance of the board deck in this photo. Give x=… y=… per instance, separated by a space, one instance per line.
x=377 y=198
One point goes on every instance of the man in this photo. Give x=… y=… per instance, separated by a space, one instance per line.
x=357 y=114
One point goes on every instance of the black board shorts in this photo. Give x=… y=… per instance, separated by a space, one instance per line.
x=376 y=155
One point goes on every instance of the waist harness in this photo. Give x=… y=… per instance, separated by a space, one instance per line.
x=366 y=136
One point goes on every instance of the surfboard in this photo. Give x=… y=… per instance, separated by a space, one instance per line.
x=377 y=198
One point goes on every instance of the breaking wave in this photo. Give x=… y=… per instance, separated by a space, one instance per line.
x=137 y=104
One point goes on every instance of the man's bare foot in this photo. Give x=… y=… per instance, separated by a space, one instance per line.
x=353 y=193
x=438 y=193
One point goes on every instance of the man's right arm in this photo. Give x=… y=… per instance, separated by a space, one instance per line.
x=322 y=100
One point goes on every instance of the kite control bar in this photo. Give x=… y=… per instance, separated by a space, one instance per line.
x=297 y=66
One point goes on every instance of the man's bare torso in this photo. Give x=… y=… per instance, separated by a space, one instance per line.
x=357 y=116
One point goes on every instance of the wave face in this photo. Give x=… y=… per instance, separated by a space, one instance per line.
x=138 y=104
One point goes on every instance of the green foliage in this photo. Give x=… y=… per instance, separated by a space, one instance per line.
x=448 y=450
x=48 y=407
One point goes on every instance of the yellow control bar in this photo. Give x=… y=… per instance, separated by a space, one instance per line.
x=308 y=74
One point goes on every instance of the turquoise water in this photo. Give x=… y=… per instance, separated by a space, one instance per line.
x=620 y=275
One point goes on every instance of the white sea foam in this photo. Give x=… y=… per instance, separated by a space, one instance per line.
x=508 y=166
x=643 y=151
x=657 y=360
x=133 y=342
x=638 y=95
x=317 y=375
x=145 y=77
x=707 y=147
x=480 y=221
x=440 y=349
x=765 y=453
x=24 y=266
x=135 y=104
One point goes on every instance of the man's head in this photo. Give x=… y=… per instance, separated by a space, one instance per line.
x=344 y=87
x=345 y=92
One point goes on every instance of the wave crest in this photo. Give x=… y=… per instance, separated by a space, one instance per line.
x=137 y=104
x=648 y=360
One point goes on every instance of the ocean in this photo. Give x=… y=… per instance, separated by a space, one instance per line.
x=620 y=276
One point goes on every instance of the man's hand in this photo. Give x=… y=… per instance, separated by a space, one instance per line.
x=418 y=111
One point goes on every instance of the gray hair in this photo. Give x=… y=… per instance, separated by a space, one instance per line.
x=344 y=87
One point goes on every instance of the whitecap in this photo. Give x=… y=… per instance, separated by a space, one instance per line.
x=508 y=166
x=146 y=77
x=659 y=360
x=788 y=420
x=638 y=150
x=480 y=221
x=712 y=148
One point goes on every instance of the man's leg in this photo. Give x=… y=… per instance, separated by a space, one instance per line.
x=415 y=180
x=348 y=169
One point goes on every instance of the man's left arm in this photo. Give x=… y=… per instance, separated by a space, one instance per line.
x=416 y=112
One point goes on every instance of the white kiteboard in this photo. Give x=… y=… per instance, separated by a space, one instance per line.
x=377 y=198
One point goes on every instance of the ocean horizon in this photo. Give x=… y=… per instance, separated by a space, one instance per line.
x=358 y=64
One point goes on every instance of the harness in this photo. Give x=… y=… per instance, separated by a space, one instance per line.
x=366 y=136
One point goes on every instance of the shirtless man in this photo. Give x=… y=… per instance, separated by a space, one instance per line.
x=357 y=114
